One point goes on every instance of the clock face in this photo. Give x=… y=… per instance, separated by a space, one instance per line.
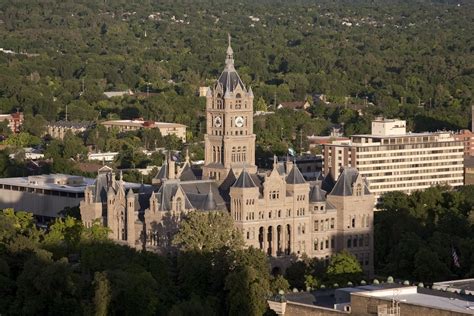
x=217 y=121
x=239 y=121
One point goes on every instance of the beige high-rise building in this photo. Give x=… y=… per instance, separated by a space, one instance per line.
x=393 y=160
x=277 y=211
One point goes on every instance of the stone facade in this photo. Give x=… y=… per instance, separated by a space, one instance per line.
x=229 y=141
x=277 y=211
x=60 y=128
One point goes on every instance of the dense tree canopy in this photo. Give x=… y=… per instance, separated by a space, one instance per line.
x=415 y=235
x=74 y=270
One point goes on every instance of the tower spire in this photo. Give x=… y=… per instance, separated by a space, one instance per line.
x=229 y=61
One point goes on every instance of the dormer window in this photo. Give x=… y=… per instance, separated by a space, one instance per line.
x=359 y=189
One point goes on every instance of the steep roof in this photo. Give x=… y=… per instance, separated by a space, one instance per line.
x=229 y=80
x=244 y=181
x=187 y=174
x=345 y=182
x=316 y=194
x=295 y=176
x=328 y=183
x=163 y=173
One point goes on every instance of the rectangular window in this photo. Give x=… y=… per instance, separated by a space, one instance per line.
x=316 y=226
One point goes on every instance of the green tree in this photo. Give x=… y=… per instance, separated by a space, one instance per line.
x=65 y=232
x=22 y=139
x=343 y=267
x=260 y=105
x=73 y=146
x=278 y=283
x=247 y=292
x=208 y=231
x=34 y=125
x=102 y=295
x=5 y=130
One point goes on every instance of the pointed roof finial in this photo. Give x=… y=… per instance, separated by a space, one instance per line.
x=229 y=61
x=121 y=175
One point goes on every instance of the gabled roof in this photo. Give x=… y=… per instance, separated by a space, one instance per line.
x=101 y=186
x=345 y=182
x=295 y=176
x=244 y=181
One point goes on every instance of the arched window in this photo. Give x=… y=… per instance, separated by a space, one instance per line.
x=238 y=101
x=359 y=189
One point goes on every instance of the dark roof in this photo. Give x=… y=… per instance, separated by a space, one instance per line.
x=187 y=174
x=203 y=195
x=244 y=181
x=316 y=194
x=345 y=182
x=209 y=202
x=82 y=124
x=163 y=173
x=166 y=193
x=229 y=80
x=328 y=183
x=295 y=176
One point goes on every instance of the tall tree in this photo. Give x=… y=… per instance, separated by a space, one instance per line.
x=208 y=231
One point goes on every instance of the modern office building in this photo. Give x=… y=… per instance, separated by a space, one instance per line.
x=466 y=137
x=45 y=195
x=452 y=298
x=393 y=160
x=132 y=125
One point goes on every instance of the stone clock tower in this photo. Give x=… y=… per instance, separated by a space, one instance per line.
x=229 y=140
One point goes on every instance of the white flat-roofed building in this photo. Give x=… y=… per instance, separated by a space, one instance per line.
x=398 y=161
x=385 y=127
x=45 y=195
x=132 y=125
x=107 y=156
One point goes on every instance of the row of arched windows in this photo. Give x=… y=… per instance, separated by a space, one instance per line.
x=219 y=102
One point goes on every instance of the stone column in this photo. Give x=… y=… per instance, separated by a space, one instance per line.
x=274 y=243
x=264 y=236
